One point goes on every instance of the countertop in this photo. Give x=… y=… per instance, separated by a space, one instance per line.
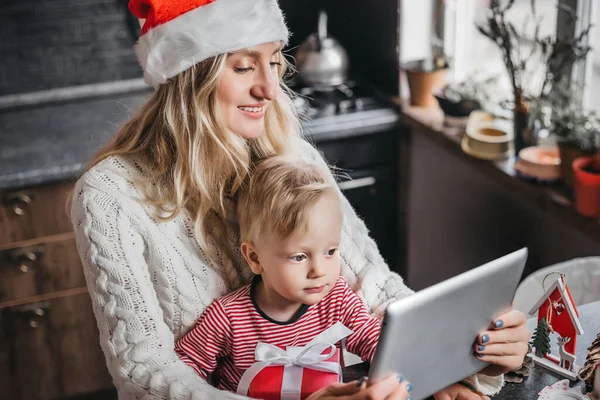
x=55 y=142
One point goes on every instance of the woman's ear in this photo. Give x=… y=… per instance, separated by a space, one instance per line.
x=251 y=257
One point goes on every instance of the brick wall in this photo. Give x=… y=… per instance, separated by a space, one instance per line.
x=46 y=44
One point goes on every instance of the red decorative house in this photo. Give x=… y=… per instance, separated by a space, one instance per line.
x=558 y=308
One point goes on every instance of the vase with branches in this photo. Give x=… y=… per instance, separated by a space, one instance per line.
x=551 y=56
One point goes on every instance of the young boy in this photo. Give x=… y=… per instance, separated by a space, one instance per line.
x=290 y=225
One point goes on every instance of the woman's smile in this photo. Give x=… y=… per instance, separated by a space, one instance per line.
x=255 y=111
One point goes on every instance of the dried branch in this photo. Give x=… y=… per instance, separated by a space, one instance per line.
x=557 y=55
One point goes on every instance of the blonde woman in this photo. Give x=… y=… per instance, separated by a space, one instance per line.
x=154 y=215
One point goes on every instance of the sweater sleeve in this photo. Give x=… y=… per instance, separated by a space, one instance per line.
x=137 y=343
x=367 y=273
x=208 y=341
x=366 y=327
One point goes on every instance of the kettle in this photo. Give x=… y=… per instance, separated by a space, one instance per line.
x=321 y=60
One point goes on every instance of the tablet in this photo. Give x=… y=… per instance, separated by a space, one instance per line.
x=428 y=337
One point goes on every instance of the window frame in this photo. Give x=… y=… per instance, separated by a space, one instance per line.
x=456 y=30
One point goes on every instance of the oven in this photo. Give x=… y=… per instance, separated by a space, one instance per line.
x=368 y=175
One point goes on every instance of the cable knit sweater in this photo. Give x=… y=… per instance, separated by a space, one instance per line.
x=149 y=280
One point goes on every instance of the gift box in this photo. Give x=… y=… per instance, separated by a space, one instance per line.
x=295 y=372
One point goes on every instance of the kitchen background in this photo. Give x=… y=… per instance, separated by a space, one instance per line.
x=68 y=77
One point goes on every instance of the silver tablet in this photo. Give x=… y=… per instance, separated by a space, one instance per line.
x=428 y=337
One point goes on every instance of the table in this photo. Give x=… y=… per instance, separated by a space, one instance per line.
x=589 y=315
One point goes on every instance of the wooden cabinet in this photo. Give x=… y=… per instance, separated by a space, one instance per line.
x=50 y=350
x=34 y=213
x=38 y=269
x=50 y=347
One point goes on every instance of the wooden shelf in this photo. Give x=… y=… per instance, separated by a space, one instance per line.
x=553 y=199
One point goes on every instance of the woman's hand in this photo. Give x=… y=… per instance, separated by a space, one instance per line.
x=505 y=344
x=391 y=388
x=458 y=392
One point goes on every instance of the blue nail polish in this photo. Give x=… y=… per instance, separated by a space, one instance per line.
x=479 y=355
x=498 y=324
x=485 y=338
x=360 y=381
x=400 y=378
x=481 y=347
x=409 y=387
x=409 y=398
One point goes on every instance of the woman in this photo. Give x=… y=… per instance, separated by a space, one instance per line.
x=154 y=216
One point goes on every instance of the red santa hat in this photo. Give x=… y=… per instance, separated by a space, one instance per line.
x=178 y=34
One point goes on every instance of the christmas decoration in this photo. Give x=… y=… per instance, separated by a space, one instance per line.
x=179 y=34
x=557 y=313
x=562 y=390
x=590 y=372
x=541 y=338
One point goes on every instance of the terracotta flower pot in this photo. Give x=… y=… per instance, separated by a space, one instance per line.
x=422 y=83
x=587 y=186
x=568 y=154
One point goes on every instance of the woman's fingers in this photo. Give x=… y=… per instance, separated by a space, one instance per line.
x=514 y=334
x=336 y=391
x=458 y=392
x=506 y=355
x=393 y=387
x=509 y=319
x=502 y=349
x=509 y=356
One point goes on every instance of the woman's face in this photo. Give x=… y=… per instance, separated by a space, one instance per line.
x=247 y=86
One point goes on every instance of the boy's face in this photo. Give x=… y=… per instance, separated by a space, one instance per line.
x=303 y=267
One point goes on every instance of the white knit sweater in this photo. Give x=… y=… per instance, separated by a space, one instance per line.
x=149 y=280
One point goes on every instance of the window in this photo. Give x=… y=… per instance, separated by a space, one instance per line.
x=474 y=53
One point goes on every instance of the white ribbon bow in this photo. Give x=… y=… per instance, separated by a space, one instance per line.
x=294 y=359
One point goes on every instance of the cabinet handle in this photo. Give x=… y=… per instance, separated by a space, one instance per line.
x=34 y=313
x=357 y=183
x=26 y=257
x=19 y=202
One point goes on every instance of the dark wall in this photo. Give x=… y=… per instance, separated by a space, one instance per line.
x=367 y=30
x=49 y=44
x=58 y=43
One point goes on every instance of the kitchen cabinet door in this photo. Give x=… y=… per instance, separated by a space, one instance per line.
x=50 y=350
x=39 y=269
x=34 y=213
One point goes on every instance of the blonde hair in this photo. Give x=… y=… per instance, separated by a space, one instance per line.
x=194 y=162
x=279 y=196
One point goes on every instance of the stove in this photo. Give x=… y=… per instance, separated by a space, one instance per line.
x=347 y=107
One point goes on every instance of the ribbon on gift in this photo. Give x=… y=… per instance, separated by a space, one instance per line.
x=295 y=359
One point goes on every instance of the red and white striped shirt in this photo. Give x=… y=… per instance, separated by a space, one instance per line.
x=226 y=334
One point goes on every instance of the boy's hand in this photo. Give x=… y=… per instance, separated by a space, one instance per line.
x=458 y=392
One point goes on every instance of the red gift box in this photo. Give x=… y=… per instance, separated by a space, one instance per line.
x=294 y=373
x=268 y=384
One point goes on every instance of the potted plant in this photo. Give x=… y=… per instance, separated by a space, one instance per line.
x=524 y=56
x=586 y=169
x=424 y=76
x=459 y=99
x=578 y=135
x=587 y=185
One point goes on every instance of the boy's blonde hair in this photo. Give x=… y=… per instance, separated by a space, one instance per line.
x=279 y=196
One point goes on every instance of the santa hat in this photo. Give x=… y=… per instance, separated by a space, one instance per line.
x=178 y=34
